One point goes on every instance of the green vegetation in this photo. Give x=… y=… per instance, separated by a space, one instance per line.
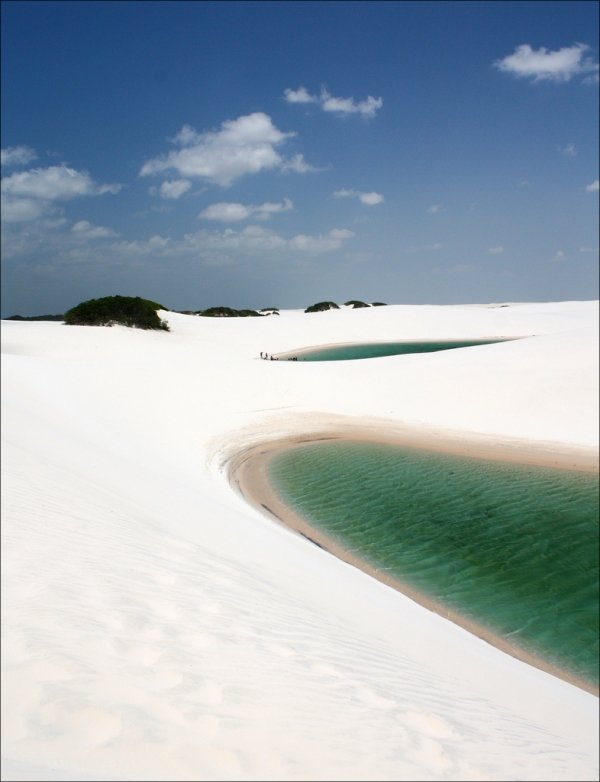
x=228 y=312
x=123 y=310
x=321 y=306
x=355 y=304
x=36 y=317
x=141 y=313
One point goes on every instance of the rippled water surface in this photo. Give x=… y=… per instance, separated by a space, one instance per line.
x=512 y=547
x=378 y=349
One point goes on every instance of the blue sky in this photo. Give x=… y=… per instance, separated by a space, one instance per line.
x=277 y=154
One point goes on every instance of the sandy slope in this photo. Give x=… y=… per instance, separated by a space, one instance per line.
x=157 y=627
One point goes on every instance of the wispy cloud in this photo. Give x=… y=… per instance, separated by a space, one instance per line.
x=434 y=209
x=543 y=65
x=234 y=212
x=328 y=102
x=85 y=230
x=81 y=244
x=298 y=164
x=246 y=145
x=496 y=250
x=323 y=243
x=217 y=247
x=420 y=248
x=569 y=150
x=457 y=268
x=370 y=199
x=17 y=156
x=593 y=187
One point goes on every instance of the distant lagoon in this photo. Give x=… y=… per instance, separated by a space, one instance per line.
x=511 y=547
x=349 y=352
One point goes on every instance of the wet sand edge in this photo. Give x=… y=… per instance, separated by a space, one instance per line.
x=248 y=473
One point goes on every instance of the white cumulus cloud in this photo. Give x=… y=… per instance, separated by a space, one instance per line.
x=20 y=210
x=366 y=108
x=27 y=195
x=543 y=65
x=301 y=95
x=246 y=145
x=370 y=199
x=17 y=156
x=226 y=212
x=593 y=187
x=174 y=188
x=234 y=212
x=56 y=183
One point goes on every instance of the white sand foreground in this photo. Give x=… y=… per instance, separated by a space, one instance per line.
x=157 y=627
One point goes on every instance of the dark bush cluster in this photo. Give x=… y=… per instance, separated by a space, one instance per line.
x=141 y=313
x=228 y=312
x=355 y=304
x=123 y=310
x=321 y=306
x=36 y=317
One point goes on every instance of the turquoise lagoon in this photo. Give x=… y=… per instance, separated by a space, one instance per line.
x=378 y=349
x=511 y=547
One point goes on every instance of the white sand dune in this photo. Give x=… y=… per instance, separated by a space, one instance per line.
x=155 y=626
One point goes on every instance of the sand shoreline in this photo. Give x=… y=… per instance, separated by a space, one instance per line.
x=248 y=474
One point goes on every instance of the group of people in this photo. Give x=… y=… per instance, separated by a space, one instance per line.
x=272 y=358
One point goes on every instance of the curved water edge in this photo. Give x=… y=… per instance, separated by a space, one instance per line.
x=249 y=474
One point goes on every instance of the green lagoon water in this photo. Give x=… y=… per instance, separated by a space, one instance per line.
x=512 y=547
x=378 y=349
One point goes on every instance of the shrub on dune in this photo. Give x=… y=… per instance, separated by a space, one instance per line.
x=355 y=304
x=228 y=312
x=36 y=317
x=321 y=306
x=131 y=311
